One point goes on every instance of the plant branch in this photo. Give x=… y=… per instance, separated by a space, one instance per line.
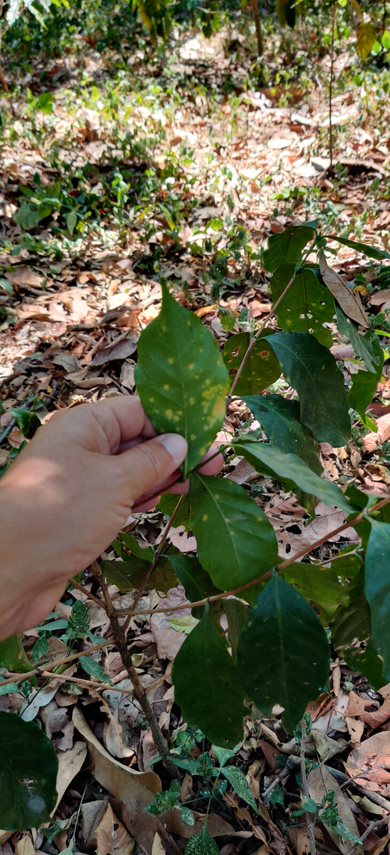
x=254 y=582
x=119 y=635
x=331 y=81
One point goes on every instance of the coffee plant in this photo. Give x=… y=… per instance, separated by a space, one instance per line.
x=264 y=627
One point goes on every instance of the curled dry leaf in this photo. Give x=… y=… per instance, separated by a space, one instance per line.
x=25 y=846
x=134 y=789
x=369 y=765
x=349 y=302
x=320 y=782
x=69 y=765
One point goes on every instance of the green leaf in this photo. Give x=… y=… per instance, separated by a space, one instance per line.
x=364 y=383
x=27 y=217
x=289 y=467
x=79 y=620
x=181 y=378
x=286 y=247
x=134 y=573
x=283 y=655
x=91 y=667
x=239 y=784
x=311 y=369
x=186 y=815
x=236 y=543
x=167 y=506
x=279 y=417
x=9 y=689
x=351 y=629
x=222 y=755
x=321 y=586
x=201 y=844
x=261 y=368
x=12 y=655
x=71 y=220
x=363 y=345
x=196 y=582
x=366 y=38
x=377 y=589
x=307 y=304
x=28 y=773
x=371 y=251
x=26 y=421
x=207 y=687
x=45 y=103
x=128 y=543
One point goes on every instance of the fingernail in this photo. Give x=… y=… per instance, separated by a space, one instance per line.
x=175 y=445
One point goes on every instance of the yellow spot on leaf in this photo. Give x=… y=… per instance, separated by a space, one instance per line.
x=205 y=517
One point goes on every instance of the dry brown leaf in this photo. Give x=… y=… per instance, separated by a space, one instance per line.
x=117 y=350
x=381 y=846
x=299 y=839
x=372 y=440
x=376 y=299
x=357 y=706
x=349 y=302
x=69 y=765
x=157 y=846
x=134 y=789
x=369 y=765
x=320 y=782
x=23 y=275
x=355 y=729
x=112 y=837
x=91 y=814
x=326 y=747
x=25 y=846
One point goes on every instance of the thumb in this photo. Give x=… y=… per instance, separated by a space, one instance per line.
x=150 y=463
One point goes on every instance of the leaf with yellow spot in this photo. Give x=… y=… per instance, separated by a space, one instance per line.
x=181 y=378
x=261 y=367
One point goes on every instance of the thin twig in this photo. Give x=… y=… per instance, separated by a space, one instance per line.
x=259 y=579
x=310 y=822
x=331 y=81
x=87 y=593
x=157 y=556
x=139 y=690
x=370 y=794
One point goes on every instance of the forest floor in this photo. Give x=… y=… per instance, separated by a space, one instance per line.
x=115 y=171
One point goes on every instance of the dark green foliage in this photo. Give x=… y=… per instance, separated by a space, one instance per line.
x=283 y=655
x=28 y=772
x=207 y=685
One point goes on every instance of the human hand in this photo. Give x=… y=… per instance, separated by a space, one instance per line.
x=70 y=492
